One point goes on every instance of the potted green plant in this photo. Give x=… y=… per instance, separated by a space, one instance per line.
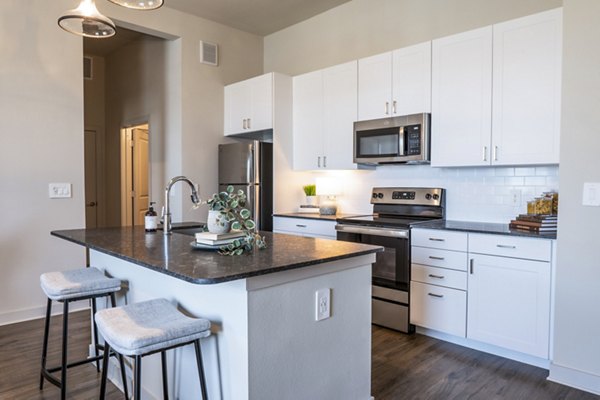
x=227 y=211
x=310 y=191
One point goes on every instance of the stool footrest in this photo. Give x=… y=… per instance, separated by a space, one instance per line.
x=47 y=372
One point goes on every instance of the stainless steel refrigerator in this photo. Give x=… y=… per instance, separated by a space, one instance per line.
x=249 y=166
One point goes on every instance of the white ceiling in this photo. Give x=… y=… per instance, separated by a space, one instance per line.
x=260 y=17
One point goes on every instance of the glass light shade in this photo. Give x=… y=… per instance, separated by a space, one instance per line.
x=86 y=20
x=139 y=4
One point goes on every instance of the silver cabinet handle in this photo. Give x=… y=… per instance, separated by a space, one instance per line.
x=387 y=108
x=394 y=107
x=244 y=124
x=248 y=123
x=436 y=295
x=324 y=161
x=436 y=258
x=437 y=240
x=506 y=246
x=319 y=161
x=484 y=156
x=301 y=226
x=471 y=266
x=495 y=153
x=436 y=276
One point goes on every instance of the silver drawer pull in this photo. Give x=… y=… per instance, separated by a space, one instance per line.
x=437 y=240
x=436 y=276
x=436 y=258
x=505 y=246
x=301 y=226
x=436 y=295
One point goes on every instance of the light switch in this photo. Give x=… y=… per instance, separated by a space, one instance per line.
x=59 y=190
x=591 y=194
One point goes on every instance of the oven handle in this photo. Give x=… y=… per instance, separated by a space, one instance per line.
x=395 y=233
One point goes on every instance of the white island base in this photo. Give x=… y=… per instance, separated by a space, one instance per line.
x=266 y=342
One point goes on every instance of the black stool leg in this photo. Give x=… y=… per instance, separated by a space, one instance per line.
x=200 y=369
x=137 y=385
x=95 y=333
x=63 y=370
x=113 y=303
x=163 y=362
x=45 y=345
x=104 y=370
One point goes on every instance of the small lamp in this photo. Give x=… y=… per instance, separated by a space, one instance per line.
x=139 y=4
x=86 y=20
x=329 y=188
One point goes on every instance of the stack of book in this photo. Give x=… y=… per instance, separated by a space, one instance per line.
x=214 y=239
x=534 y=223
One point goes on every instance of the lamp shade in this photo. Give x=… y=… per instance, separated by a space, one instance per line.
x=139 y=4
x=86 y=20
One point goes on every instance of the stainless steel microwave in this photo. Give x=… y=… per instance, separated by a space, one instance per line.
x=402 y=139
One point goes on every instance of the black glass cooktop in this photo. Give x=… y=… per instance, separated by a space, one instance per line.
x=383 y=220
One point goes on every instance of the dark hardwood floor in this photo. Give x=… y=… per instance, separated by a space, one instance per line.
x=408 y=367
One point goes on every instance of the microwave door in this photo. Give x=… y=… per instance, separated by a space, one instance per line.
x=401 y=135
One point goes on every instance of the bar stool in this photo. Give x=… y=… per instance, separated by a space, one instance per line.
x=66 y=287
x=149 y=327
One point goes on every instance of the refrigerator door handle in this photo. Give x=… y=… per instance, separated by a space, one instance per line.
x=255 y=178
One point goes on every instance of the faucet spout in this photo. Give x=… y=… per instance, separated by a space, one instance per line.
x=167 y=213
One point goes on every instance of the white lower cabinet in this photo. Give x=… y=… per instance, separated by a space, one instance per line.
x=438 y=307
x=318 y=228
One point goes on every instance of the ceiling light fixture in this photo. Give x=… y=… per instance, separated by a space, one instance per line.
x=86 y=20
x=139 y=4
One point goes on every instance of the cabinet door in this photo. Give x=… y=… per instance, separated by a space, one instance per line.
x=237 y=107
x=375 y=87
x=461 y=108
x=261 y=103
x=411 y=80
x=509 y=303
x=340 y=91
x=308 y=120
x=527 y=89
x=438 y=308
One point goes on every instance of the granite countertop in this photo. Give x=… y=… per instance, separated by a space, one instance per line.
x=173 y=254
x=314 y=216
x=481 y=227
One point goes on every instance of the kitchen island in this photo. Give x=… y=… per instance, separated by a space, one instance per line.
x=266 y=342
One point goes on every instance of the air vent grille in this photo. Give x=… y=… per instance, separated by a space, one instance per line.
x=209 y=53
x=87 y=68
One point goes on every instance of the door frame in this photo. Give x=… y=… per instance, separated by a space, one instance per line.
x=126 y=162
x=100 y=174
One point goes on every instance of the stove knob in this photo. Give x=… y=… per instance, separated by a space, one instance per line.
x=374 y=195
x=428 y=196
x=380 y=195
x=436 y=196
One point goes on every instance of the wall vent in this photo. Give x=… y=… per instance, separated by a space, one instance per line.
x=209 y=53
x=88 y=68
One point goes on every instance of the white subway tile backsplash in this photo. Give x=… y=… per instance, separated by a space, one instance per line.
x=514 y=181
x=505 y=171
x=546 y=171
x=525 y=171
x=493 y=180
x=535 y=181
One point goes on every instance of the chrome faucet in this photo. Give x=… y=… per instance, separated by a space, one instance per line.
x=167 y=209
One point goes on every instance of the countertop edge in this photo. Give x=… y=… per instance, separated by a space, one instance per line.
x=476 y=227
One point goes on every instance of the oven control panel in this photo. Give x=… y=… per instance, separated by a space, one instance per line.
x=414 y=196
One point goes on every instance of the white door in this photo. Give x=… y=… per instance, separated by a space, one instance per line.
x=461 y=109
x=261 y=103
x=527 y=89
x=375 y=87
x=91 y=190
x=411 y=80
x=308 y=121
x=340 y=111
x=509 y=303
x=141 y=189
x=237 y=107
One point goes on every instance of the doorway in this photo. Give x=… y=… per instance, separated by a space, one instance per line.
x=91 y=177
x=135 y=179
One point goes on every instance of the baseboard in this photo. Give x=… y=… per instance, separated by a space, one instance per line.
x=487 y=348
x=28 y=314
x=574 y=378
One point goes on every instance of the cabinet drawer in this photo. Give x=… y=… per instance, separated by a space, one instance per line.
x=439 y=276
x=439 y=239
x=439 y=258
x=305 y=227
x=510 y=246
x=438 y=308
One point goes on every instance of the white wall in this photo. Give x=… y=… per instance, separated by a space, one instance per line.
x=41 y=126
x=577 y=321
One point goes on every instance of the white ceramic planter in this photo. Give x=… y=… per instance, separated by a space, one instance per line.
x=311 y=200
x=216 y=222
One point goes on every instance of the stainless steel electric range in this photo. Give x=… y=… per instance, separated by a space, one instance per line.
x=395 y=211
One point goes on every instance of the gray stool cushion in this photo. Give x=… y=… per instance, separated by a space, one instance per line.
x=64 y=285
x=148 y=326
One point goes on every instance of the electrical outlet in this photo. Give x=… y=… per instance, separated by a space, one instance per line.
x=322 y=304
x=515 y=197
x=59 y=190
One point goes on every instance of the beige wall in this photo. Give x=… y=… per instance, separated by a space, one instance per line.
x=577 y=321
x=41 y=128
x=362 y=28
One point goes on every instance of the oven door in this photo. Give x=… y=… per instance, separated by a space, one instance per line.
x=392 y=266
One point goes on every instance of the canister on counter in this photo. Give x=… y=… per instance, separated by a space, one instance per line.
x=543 y=205
x=554 y=197
x=531 y=207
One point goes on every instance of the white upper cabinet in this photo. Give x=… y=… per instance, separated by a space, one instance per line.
x=527 y=89
x=461 y=110
x=518 y=121
x=325 y=103
x=249 y=105
x=395 y=83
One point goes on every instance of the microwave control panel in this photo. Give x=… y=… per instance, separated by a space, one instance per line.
x=413 y=139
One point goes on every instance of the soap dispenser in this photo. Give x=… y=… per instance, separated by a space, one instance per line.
x=151 y=219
